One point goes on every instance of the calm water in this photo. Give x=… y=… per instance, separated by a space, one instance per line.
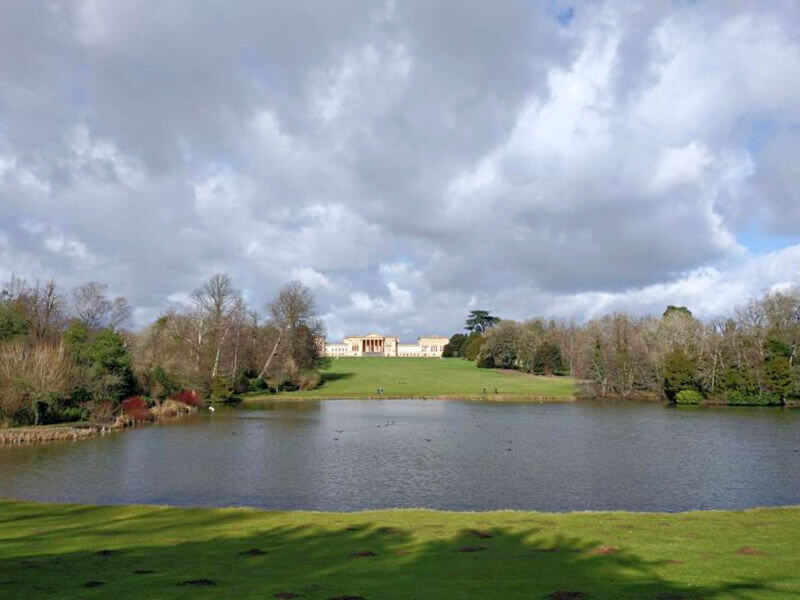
x=347 y=455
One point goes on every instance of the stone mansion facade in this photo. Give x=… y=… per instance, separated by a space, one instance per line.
x=374 y=344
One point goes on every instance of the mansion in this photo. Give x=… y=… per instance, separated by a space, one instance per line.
x=380 y=345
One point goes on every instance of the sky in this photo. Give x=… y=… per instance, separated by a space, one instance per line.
x=407 y=161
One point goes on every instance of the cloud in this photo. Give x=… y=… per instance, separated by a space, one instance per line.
x=406 y=160
x=311 y=278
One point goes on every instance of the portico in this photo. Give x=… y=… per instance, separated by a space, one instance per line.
x=375 y=345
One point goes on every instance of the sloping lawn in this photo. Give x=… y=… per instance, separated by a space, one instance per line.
x=137 y=553
x=427 y=378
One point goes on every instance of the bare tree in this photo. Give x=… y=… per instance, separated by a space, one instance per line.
x=91 y=305
x=238 y=318
x=42 y=305
x=50 y=309
x=214 y=300
x=120 y=313
x=292 y=313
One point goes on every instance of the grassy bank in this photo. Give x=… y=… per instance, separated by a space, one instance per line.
x=135 y=552
x=428 y=378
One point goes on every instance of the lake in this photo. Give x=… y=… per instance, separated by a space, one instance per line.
x=353 y=455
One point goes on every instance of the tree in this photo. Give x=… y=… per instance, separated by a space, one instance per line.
x=91 y=305
x=479 y=321
x=547 y=360
x=32 y=379
x=12 y=323
x=103 y=361
x=677 y=310
x=679 y=374
x=778 y=370
x=473 y=346
x=214 y=299
x=120 y=313
x=40 y=306
x=499 y=348
x=454 y=346
x=293 y=314
x=96 y=310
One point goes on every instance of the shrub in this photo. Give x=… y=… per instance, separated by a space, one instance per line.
x=31 y=378
x=472 y=347
x=547 y=360
x=160 y=383
x=222 y=388
x=171 y=408
x=747 y=398
x=308 y=379
x=71 y=414
x=188 y=397
x=136 y=408
x=257 y=384
x=688 y=397
x=102 y=410
x=485 y=360
x=288 y=386
x=241 y=384
x=13 y=324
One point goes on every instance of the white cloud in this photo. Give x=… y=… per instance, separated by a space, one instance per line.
x=679 y=165
x=410 y=165
x=707 y=291
x=311 y=278
x=219 y=196
x=399 y=302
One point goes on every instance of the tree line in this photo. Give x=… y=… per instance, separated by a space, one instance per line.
x=749 y=357
x=68 y=355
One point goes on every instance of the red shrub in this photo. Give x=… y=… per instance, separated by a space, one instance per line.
x=188 y=397
x=136 y=408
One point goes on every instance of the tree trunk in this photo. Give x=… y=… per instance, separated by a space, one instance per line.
x=220 y=341
x=236 y=353
x=199 y=343
x=272 y=354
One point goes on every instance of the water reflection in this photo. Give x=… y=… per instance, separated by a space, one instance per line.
x=347 y=455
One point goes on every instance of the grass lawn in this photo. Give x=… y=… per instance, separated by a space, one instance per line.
x=428 y=378
x=138 y=553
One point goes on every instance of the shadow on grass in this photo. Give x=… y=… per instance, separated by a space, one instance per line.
x=238 y=554
x=328 y=377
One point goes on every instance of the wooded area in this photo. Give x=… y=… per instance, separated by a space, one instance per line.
x=68 y=355
x=748 y=357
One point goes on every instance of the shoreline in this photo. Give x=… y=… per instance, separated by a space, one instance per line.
x=499 y=398
x=304 y=512
x=73 y=432
x=442 y=397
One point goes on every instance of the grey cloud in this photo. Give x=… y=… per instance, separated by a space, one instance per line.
x=507 y=158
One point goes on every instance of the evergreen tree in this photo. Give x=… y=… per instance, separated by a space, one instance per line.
x=479 y=321
x=679 y=374
x=778 y=369
x=103 y=360
x=547 y=360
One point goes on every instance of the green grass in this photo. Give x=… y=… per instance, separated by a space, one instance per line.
x=53 y=551
x=428 y=378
